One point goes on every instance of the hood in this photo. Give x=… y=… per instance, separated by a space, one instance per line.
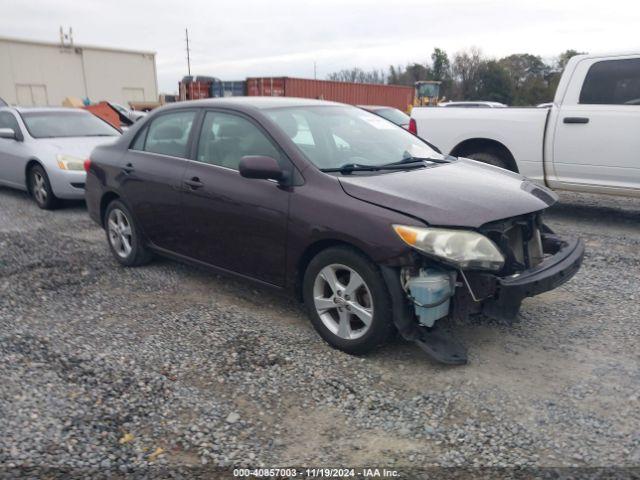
x=464 y=193
x=80 y=147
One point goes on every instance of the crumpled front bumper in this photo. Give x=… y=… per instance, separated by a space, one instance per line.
x=508 y=292
x=487 y=293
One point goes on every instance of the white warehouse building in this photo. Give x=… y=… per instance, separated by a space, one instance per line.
x=34 y=73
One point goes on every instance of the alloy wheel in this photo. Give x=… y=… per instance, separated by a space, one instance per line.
x=39 y=188
x=343 y=301
x=120 y=233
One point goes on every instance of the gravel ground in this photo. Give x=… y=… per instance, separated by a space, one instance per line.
x=170 y=367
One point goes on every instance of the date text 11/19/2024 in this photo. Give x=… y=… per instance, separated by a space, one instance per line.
x=316 y=472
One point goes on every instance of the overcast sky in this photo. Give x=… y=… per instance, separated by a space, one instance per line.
x=236 y=39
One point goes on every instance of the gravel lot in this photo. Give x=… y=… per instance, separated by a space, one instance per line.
x=168 y=366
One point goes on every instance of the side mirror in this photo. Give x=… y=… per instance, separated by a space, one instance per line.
x=261 y=167
x=8 y=133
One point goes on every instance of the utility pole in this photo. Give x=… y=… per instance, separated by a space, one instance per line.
x=315 y=71
x=186 y=31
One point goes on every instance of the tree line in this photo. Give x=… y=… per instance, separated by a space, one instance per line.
x=518 y=79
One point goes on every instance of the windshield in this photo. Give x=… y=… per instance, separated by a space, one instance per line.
x=66 y=124
x=334 y=136
x=394 y=115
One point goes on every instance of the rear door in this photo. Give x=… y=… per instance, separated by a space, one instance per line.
x=152 y=174
x=597 y=130
x=13 y=153
x=232 y=222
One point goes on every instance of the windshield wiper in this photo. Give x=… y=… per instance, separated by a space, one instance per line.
x=418 y=160
x=352 y=167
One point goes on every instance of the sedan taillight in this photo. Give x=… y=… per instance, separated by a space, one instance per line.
x=87 y=165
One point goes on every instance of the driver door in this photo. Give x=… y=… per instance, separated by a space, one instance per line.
x=597 y=131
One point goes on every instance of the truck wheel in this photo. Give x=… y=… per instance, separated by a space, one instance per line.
x=490 y=158
x=347 y=300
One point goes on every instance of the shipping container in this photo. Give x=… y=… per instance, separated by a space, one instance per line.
x=234 y=88
x=195 y=88
x=397 y=96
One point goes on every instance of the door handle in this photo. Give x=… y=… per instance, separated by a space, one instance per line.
x=575 y=120
x=128 y=168
x=194 y=183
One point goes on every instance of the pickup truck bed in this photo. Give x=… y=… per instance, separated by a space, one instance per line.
x=465 y=132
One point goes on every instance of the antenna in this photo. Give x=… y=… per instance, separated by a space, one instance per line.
x=66 y=39
x=186 y=31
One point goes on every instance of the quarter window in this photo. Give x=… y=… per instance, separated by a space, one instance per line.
x=169 y=134
x=138 y=144
x=612 y=82
x=226 y=138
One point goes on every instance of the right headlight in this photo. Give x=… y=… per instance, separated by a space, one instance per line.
x=69 y=162
x=463 y=248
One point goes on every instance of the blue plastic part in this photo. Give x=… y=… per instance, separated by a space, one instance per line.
x=431 y=287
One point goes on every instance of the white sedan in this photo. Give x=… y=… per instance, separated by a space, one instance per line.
x=42 y=150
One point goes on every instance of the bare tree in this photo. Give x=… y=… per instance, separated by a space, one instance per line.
x=357 y=75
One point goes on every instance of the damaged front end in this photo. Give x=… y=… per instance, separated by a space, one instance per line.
x=486 y=272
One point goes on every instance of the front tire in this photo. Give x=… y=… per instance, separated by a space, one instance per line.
x=40 y=188
x=124 y=237
x=347 y=300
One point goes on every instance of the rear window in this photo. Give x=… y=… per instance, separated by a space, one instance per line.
x=394 y=115
x=66 y=124
x=169 y=133
x=612 y=82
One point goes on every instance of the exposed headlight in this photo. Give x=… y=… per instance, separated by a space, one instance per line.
x=68 y=162
x=463 y=248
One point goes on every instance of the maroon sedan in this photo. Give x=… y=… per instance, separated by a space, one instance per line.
x=366 y=223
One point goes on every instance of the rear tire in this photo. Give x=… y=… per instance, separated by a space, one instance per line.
x=490 y=158
x=124 y=237
x=40 y=188
x=347 y=300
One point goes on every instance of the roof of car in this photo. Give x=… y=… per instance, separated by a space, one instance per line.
x=48 y=109
x=257 y=102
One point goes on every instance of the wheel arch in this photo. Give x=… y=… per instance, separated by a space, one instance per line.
x=486 y=145
x=32 y=162
x=107 y=198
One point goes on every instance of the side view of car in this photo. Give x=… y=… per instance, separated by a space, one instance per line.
x=366 y=223
x=42 y=150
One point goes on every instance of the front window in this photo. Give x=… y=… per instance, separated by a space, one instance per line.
x=56 y=124
x=334 y=136
x=226 y=138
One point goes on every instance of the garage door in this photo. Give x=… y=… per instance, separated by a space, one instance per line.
x=32 y=95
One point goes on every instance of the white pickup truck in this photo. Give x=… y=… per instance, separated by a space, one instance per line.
x=587 y=140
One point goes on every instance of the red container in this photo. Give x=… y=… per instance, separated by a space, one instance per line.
x=397 y=96
x=194 y=90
